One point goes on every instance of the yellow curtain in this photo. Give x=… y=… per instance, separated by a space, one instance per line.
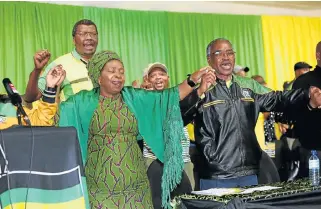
x=288 y=40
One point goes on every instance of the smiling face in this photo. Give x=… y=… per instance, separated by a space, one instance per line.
x=222 y=57
x=112 y=78
x=158 y=78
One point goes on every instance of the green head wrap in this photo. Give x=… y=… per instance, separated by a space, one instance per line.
x=97 y=63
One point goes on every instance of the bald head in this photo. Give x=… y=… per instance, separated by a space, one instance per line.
x=318 y=53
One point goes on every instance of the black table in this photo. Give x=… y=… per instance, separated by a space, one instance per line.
x=293 y=195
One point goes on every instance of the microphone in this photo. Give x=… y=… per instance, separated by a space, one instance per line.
x=15 y=100
x=12 y=92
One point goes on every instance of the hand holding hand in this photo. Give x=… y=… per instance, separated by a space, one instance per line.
x=55 y=76
x=207 y=80
x=196 y=76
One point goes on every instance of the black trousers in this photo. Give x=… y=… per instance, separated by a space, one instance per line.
x=154 y=173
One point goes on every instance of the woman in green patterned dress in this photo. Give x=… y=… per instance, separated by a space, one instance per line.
x=109 y=120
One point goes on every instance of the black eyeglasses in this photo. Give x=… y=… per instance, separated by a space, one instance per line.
x=84 y=34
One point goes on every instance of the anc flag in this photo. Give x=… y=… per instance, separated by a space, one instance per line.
x=41 y=167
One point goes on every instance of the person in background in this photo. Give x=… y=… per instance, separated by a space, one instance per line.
x=157 y=76
x=111 y=118
x=307 y=118
x=240 y=71
x=300 y=68
x=225 y=116
x=85 y=39
x=40 y=116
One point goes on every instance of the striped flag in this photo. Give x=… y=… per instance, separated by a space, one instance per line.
x=41 y=168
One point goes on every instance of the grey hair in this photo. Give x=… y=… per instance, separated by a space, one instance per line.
x=208 y=48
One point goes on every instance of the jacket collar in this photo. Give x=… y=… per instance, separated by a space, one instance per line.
x=317 y=69
x=223 y=81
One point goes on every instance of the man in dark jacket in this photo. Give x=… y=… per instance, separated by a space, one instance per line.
x=226 y=117
x=307 y=125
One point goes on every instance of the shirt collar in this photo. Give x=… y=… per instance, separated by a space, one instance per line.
x=77 y=56
x=224 y=82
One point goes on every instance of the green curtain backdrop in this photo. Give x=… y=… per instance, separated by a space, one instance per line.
x=177 y=39
x=189 y=35
x=29 y=27
x=138 y=37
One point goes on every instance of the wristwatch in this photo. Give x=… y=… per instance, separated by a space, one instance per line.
x=190 y=82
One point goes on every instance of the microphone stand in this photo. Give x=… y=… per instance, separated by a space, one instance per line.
x=21 y=112
x=19 y=117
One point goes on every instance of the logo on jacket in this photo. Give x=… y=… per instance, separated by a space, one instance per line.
x=246 y=93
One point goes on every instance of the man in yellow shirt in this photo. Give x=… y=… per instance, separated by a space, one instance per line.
x=42 y=114
x=85 y=39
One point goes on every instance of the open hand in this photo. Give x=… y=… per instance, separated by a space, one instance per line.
x=135 y=84
x=146 y=85
x=41 y=58
x=55 y=76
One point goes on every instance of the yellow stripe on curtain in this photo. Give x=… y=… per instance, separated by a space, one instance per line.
x=288 y=40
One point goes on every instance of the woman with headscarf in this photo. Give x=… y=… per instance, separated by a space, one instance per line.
x=110 y=118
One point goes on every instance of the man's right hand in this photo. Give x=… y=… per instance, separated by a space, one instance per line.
x=207 y=80
x=40 y=59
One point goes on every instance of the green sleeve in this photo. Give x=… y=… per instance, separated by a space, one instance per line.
x=42 y=79
x=260 y=89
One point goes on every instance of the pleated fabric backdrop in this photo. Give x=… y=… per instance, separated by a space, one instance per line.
x=177 y=39
x=288 y=40
x=268 y=45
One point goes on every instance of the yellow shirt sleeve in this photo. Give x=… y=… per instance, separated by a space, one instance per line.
x=42 y=114
x=190 y=130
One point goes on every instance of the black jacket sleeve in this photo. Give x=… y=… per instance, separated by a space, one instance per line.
x=189 y=106
x=279 y=101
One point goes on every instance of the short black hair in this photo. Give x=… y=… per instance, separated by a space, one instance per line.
x=208 y=48
x=82 y=22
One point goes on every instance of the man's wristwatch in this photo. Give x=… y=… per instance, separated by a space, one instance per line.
x=190 y=82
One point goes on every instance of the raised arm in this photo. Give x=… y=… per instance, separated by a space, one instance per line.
x=190 y=103
x=293 y=99
x=44 y=113
x=41 y=58
x=185 y=89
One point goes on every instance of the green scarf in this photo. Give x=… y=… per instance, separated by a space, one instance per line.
x=159 y=124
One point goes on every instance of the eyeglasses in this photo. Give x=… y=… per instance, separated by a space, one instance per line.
x=84 y=34
x=220 y=54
